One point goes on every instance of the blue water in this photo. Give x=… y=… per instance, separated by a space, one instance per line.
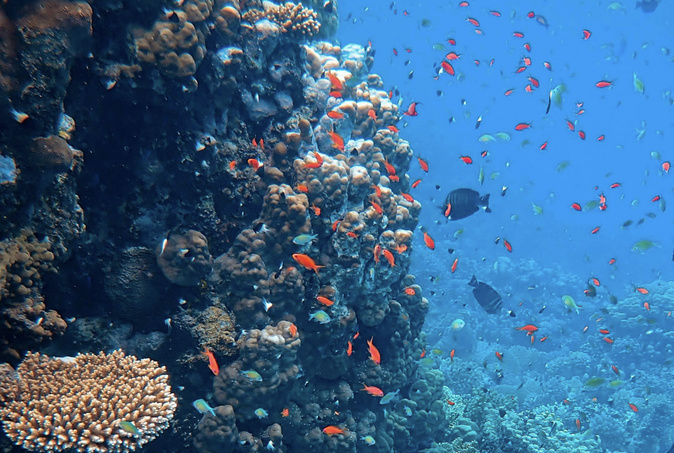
x=554 y=252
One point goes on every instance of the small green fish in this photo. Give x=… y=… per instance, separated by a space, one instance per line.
x=261 y=413
x=662 y=205
x=203 y=407
x=616 y=383
x=562 y=165
x=129 y=428
x=504 y=136
x=408 y=411
x=319 y=316
x=437 y=351
x=426 y=362
x=439 y=46
x=570 y=303
x=304 y=239
x=594 y=382
x=537 y=209
x=494 y=175
x=655 y=155
x=590 y=205
x=639 y=86
x=252 y=375
x=426 y=23
x=556 y=95
x=368 y=440
x=458 y=233
x=480 y=175
x=615 y=6
x=487 y=138
x=643 y=245
x=457 y=325
x=389 y=397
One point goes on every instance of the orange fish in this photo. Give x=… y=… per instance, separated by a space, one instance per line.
x=337 y=141
x=409 y=291
x=372 y=390
x=647 y=306
x=262 y=144
x=466 y=159
x=389 y=168
x=389 y=257
x=356 y=335
x=372 y=114
x=351 y=234
x=325 y=301
x=232 y=165
x=608 y=340
x=336 y=94
x=451 y=355
x=335 y=115
x=603 y=84
x=306 y=261
x=331 y=430
x=392 y=129
x=447 y=67
x=254 y=163
x=423 y=353
x=292 y=329
x=212 y=363
x=349 y=348
x=335 y=224
x=448 y=210
x=499 y=356
x=577 y=206
x=451 y=403
x=311 y=165
x=285 y=412
x=376 y=252
x=529 y=328
x=428 y=240
x=604 y=331
x=334 y=81
x=454 y=264
x=377 y=208
x=507 y=245
x=633 y=407
x=407 y=197
x=316 y=209
x=452 y=56
x=641 y=290
x=578 y=423
x=666 y=166
x=522 y=126
x=615 y=370
x=416 y=183
x=401 y=248
x=374 y=352
x=543 y=339
x=377 y=190
x=302 y=188
x=423 y=164
x=411 y=110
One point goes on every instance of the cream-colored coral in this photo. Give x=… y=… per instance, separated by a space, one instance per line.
x=293 y=18
x=78 y=403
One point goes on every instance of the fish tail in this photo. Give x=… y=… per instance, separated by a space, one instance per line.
x=484 y=202
x=473 y=282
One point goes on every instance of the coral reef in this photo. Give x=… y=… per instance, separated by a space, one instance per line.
x=291 y=18
x=184 y=258
x=84 y=402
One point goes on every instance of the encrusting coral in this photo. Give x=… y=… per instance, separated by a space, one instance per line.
x=89 y=403
x=292 y=18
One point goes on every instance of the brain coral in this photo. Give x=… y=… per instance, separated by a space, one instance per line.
x=78 y=403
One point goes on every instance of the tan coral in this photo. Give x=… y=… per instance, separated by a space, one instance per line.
x=292 y=18
x=78 y=403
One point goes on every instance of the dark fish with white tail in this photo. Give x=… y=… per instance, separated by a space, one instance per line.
x=461 y=203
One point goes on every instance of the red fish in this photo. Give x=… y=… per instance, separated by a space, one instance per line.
x=576 y=206
x=615 y=370
x=495 y=13
x=518 y=34
x=666 y=166
x=608 y=340
x=547 y=65
x=466 y=159
x=508 y=246
x=423 y=354
x=603 y=84
x=254 y=163
x=416 y=183
x=533 y=81
x=349 y=348
x=655 y=198
x=372 y=114
x=372 y=390
x=595 y=230
x=407 y=197
x=337 y=141
x=292 y=329
x=522 y=126
x=335 y=94
x=377 y=208
x=423 y=164
x=647 y=306
x=306 y=261
x=601 y=138
x=333 y=430
x=449 y=69
x=641 y=290
x=335 y=115
x=633 y=407
x=376 y=252
x=473 y=21
x=529 y=328
x=411 y=109
x=334 y=81
x=521 y=69
x=454 y=264
x=499 y=356
x=212 y=363
x=392 y=129
x=451 y=355
x=587 y=34
x=374 y=352
x=614 y=185
x=409 y=291
x=428 y=240
x=389 y=257
x=452 y=56
x=527 y=46
x=570 y=125
x=604 y=331
x=508 y=92
x=581 y=134
x=325 y=301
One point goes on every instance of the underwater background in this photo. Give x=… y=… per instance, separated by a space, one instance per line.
x=336 y=226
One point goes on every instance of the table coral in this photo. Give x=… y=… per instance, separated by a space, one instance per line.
x=78 y=403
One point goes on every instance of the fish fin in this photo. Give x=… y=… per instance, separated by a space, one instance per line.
x=484 y=202
x=473 y=282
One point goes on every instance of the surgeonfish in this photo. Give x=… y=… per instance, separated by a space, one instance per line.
x=486 y=296
x=461 y=203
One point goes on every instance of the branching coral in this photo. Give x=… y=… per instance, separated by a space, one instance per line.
x=292 y=18
x=85 y=403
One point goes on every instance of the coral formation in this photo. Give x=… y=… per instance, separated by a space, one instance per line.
x=292 y=18
x=184 y=258
x=83 y=403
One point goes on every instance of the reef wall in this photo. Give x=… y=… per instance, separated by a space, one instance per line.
x=241 y=188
